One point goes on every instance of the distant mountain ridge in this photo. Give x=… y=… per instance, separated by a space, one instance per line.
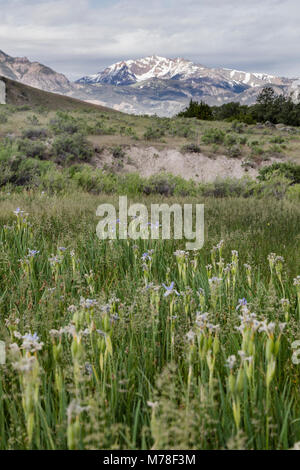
x=151 y=85
x=133 y=71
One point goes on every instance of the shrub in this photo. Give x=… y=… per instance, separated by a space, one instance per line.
x=65 y=124
x=234 y=151
x=118 y=152
x=257 y=150
x=160 y=184
x=237 y=126
x=182 y=131
x=277 y=140
x=229 y=187
x=69 y=148
x=288 y=170
x=33 y=120
x=191 y=148
x=3 y=118
x=230 y=140
x=32 y=149
x=99 y=128
x=19 y=170
x=293 y=192
x=243 y=140
x=213 y=136
x=55 y=181
x=276 y=187
x=34 y=134
x=169 y=185
x=153 y=133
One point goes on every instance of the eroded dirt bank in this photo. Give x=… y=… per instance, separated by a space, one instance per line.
x=148 y=161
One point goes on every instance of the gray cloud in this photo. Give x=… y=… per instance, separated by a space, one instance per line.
x=79 y=37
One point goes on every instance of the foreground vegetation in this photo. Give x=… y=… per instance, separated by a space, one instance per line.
x=130 y=345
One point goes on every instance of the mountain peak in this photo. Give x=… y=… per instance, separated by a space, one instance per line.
x=131 y=71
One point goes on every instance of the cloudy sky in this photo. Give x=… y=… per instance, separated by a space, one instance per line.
x=79 y=37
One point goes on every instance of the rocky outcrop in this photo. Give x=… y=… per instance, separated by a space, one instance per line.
x=33 y=74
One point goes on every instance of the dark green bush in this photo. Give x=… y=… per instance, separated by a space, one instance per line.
x=71 y=148
x=32 y=149
x=35 y=133
x=288 y=170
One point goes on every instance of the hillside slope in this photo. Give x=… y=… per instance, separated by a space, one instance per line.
x=19 y=94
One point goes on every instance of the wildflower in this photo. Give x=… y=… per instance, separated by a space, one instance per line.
x=14 y=348
x=31 y=342
x=89 y=368
x=88 y=303
x=152 y=404
x=55 y=260
x=297 y=281
x=202 y=317
x=101 y=333
x=75 y=409
x=32 y=253
x=18 y=211
x=72 y=308
x=215 y=280
x=180 y=253
x=231 y=360
x=282 y=327
x=268 y=328
x=242 y=302
x=244 y=357
x=170 y=289
x=220 y=244
x=54 y=333
x=146 y=256
x=190 y=336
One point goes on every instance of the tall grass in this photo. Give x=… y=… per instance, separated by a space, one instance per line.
x=139 y=345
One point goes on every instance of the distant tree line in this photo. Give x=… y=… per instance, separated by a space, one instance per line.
x=268 y=107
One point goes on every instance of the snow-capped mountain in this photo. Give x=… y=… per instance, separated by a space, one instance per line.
x=134 y=71
x=164 y=86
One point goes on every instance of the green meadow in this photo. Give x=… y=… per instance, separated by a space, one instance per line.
x=127 y=344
